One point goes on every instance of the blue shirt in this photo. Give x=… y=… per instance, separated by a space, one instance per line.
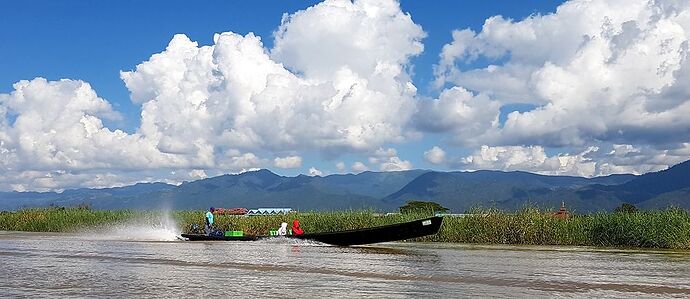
x=209 y=216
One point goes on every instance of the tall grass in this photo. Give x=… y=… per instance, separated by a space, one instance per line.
x=654 y=229
x=60 y=219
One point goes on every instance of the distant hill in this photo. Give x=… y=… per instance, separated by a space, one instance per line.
x=461 y=191
x=14 y=200
x=653 y=184
x=261 y=188
x=386 y=191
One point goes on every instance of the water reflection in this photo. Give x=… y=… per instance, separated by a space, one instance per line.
x=383 y=250
x=65 y=265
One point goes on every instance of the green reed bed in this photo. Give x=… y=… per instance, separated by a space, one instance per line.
x=652 y=229
x=60 y=219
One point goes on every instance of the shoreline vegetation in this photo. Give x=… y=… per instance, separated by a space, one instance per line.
x=668 y=228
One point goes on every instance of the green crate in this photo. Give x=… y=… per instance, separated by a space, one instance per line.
x=272 y=232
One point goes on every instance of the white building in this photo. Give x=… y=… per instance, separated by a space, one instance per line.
x=268 y=211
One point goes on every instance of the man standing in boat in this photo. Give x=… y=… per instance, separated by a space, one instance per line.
x=209 y=222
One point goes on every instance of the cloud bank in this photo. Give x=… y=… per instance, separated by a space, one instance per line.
x=608 y=80
x=211 y=107
x=600 y=73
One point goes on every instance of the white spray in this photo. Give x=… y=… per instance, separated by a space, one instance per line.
x=156 y=227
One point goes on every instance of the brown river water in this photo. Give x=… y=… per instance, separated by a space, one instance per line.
x=141 y=265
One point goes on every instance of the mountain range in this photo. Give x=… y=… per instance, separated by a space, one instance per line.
x=384 y=191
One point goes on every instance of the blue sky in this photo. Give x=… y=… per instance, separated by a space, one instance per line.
x=93 y=41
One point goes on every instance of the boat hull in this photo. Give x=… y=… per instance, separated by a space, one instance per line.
x=387 y=233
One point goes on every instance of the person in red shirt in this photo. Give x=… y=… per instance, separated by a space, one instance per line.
x=295 y=228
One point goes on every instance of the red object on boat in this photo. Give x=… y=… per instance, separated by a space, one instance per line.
x=296 y=230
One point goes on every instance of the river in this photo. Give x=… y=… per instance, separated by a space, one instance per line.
x=94 y=265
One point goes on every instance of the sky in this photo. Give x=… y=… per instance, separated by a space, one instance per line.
x=111 y=93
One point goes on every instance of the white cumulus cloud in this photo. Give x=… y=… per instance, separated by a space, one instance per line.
x=592 y=161
x=395 y=164
x=366 y=37
x=345 y=87
x=314 y=172
x=388 y=160
x=529 y=158
x=611 y=71
x=57 y=139
x=234 y=160
x=336 y=81
x=198 y=174
x=288 y=162
x=435 y=155
x=359 y=167
x=466 y=116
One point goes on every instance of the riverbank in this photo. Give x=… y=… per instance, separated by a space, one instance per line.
x=649 y=229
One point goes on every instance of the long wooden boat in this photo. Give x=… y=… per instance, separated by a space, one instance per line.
x=386 y=233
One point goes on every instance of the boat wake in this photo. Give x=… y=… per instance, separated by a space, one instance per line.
x=159 y=228
x=138 y=232
x=290 y=241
